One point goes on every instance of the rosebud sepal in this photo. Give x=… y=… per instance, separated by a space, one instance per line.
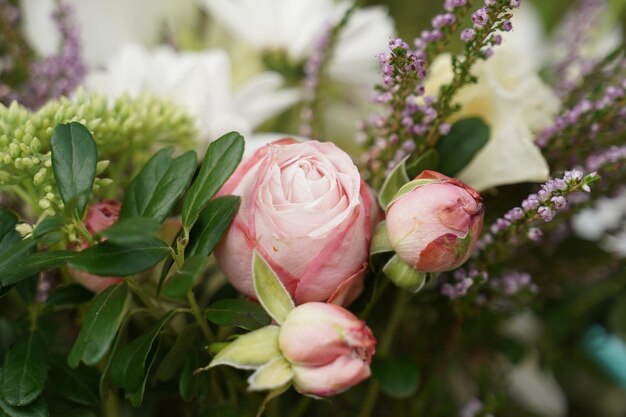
x=274 y=374
x=404 y=275
x=251 y=350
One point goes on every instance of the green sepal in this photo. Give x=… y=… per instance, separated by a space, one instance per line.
x=274 y=374
x=403 y=275
x=270 y=290
x=251 y=350
x=394 y=181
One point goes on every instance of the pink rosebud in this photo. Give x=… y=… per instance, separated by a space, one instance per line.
x=99 y=217
x=329 y=349
x=436 y=226
x=306 y=210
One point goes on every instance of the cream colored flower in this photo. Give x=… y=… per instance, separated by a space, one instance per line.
x=294 y=26
x=515 y=103
x=198 y=81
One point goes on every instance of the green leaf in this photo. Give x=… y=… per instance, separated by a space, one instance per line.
x=251 y=350
x=191 y=385
x=14 y=255
x=132 y=362
x=269 y=290
x=174 y=359
x=415 y=164
x=131 y=229
x=274 y=374
x=37 y=408
x=380 y=240
x=48 y=225
x=8 y=235
x=25 y=370
x=27 y=288
x=398 y=377
x=79 y=385
x=220 y=161
x=136 y=397
x=182 y=280
x=69 y=295
x=101 y=324
x=121 y=259
x=240 y=313
x=458 y=148
x=33 y=264
x=74 y=159
x=403 y=275
x=211 y=225
x=159 y=185
x=396 y=179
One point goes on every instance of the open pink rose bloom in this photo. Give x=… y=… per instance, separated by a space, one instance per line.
x=306 y=210
x=436 y=226
x=329 y=349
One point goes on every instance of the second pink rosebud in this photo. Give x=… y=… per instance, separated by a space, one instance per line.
x=435 y=226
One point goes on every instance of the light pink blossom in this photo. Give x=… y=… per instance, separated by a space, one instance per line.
x=436 y=226
x=306 y=210
x=329 y=349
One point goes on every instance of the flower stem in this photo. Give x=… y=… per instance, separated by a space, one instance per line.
x=373 y=391
x=195 y=310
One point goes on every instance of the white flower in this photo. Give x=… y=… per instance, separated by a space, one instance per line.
x=105 y=25
x=198 y=81
x=515 y=103
x=294 y=25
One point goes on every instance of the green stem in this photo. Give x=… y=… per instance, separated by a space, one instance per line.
x=82 y=230
x=144 y=297
x=195 y=310
x=111 y=406
x=301 y=407
x=373 y=391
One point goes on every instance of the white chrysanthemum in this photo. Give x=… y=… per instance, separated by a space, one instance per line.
x=294 y=25
x=106 y=25
x=198 y=81
x=515 y=103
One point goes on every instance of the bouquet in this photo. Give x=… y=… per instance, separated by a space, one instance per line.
x=305 y=208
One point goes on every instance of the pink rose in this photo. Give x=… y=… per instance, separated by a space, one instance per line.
x=306 y=210
x=99 y=217
x=329 y=349
x=435 y=226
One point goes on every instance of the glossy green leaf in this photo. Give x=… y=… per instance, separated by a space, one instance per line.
x=8 y=235
x=131 y=363
x=79 y=385
x=269 y=290
x=415 y=164
x=121 y=259
x=33 y=264
x=8 y=334
x=182 y=280
x=101 y=324
x=25 y=370
x=396 y=179
x=191 y=385
x=220 y=161
x=251 y=350
x=69 y=295
x=158 y=186
x=211 y=225
x=136 y=397
x=398 y=377
x=173 y=360
x=74 y=159
x=131 y=229
x=240 y=313
x=48 y=225
x=403 y=275
x=458 y=148
x=14 y=255
x=37 y=408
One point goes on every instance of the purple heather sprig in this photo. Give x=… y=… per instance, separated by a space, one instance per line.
x=57 y=75
x=463 y=281
x=574 y=32
x=412 y=121
x=610 y=156
x=314 y=71
x=522 y=223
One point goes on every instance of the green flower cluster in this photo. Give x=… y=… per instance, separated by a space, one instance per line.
x=126 y=131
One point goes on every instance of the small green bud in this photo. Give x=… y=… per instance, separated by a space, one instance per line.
x=101 y=166
x=14 y=150
x=44 y=204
